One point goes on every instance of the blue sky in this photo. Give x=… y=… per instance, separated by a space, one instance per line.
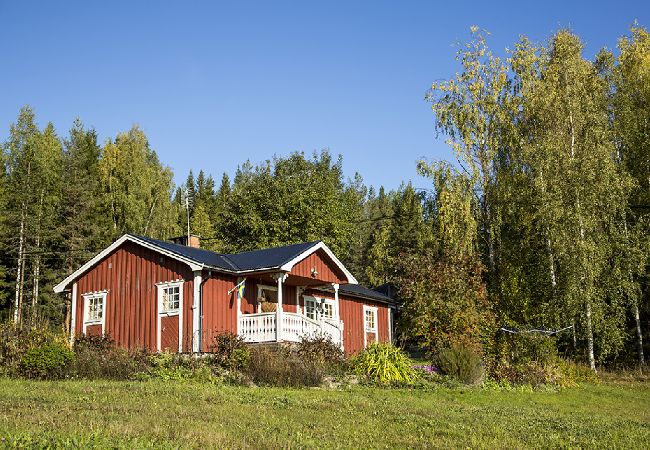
x=216 y=83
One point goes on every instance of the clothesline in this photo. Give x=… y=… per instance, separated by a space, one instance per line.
x=545 y=332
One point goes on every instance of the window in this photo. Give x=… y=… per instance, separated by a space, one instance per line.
x=317 y=308
x=310 y=307
x=94 y=308
x=328 y=310
x=171 y=296
x=370 y=318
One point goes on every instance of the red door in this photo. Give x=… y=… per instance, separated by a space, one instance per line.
x=169 y=333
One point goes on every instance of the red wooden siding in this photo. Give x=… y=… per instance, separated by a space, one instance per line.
x=219 y=307
x=130 y=274
x=351 y=313
x=328 y=272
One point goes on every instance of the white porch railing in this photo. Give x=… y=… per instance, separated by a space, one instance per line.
x=261 y=327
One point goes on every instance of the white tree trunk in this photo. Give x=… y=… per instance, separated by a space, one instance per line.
x=19 y=268
x=639 y=334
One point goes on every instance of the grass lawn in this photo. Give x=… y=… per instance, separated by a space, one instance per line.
x=178 y=414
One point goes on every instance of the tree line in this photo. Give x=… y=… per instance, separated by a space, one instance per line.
x=543 y=220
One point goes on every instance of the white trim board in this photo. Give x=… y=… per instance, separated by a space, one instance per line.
x=375 y=312
x=103 y=295
x=320 y=246
x=160 y=287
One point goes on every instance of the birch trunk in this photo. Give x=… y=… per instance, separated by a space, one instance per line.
x=590 y=334
x=639 y=334
x=37 y=257
x=19 y=275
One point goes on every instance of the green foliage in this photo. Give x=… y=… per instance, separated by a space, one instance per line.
x=47 y=361
x=289 y=200
x=445 y=302
x=16 y=341
x=230 y=351
x=462 y=363
x=384 y=364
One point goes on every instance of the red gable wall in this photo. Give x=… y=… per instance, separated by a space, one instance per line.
x=319 y=260
x=130 y=274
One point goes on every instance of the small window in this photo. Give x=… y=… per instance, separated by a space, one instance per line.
x=316 y=308
x=328 y=310
x=171 y=298
x=371 y=319
x=310 y=308
x=94 y=309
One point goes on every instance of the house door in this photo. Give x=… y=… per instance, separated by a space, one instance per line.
x=170 y=316
x=370 y=325
x=169 y=333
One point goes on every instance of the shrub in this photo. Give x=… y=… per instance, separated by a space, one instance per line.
x=461 y=363
x=278 y=366
x=384 y=364
x=230 y=351
x=97 y=357
x=319 y=349
x=16 y=340
x=47 y=361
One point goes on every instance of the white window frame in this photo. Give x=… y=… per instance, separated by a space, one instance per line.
x=101 y=321
x=260 y=288
x=175 y=312
x=318 y=309
x=366 y=330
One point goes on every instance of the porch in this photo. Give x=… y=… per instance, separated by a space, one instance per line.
x=262 y=327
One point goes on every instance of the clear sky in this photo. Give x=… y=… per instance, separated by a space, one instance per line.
x=216 y=83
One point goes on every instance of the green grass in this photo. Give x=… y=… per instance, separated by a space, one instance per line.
x=176 y=414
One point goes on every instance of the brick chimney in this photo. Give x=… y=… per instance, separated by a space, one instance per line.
x=195 y=240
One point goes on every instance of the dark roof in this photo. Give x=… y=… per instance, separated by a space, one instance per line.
x=268 y=258
x=356 y=290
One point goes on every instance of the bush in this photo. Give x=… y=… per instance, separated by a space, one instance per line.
x=319 y=349
x=16 y=340
x=230 y=351
x=48 y=361
x=97 y=357
x=385 y=364
x=461 y=363
x=278 y=366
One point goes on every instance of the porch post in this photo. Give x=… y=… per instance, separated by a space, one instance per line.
x=73 y=313
x=238 y=328
x=278 y=312
x=196 y=312
x=336 y=301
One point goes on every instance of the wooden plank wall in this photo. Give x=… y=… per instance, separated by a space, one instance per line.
x=130 y=274
x=328 y=272
x=351 y=313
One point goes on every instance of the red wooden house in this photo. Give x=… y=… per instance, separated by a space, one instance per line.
x=147 y=293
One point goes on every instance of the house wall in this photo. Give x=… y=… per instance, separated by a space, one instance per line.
x=130 y=274
x=327 y=270
x=351 y=313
